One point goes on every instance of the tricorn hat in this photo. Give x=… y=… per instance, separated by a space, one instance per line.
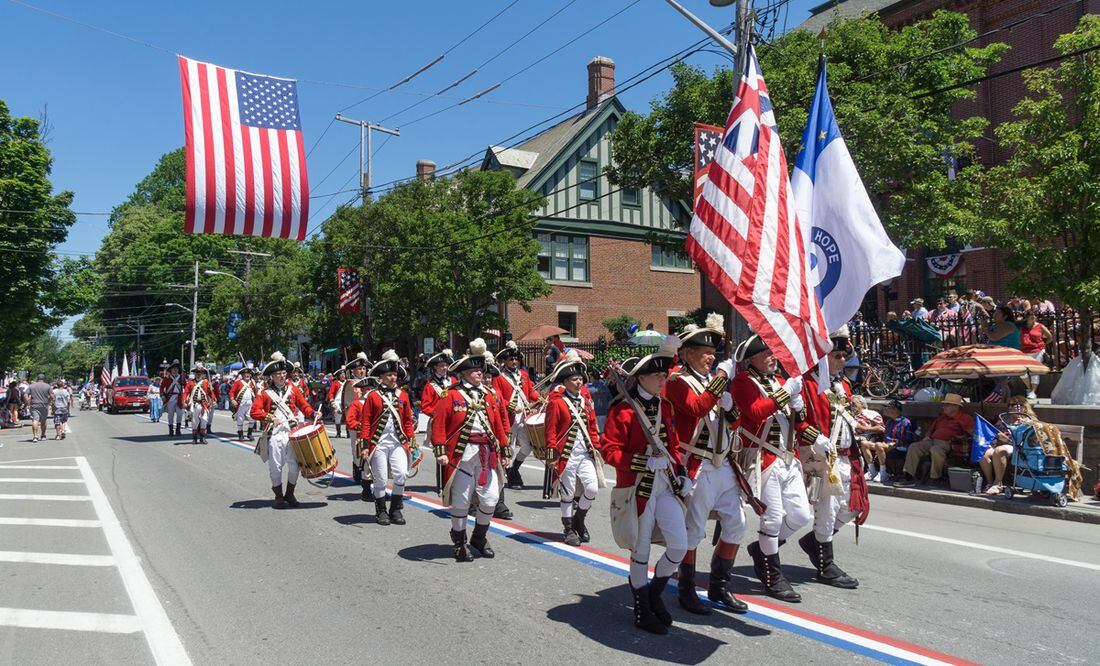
x=278 y=362
x=752 y=346
x=841 y=339
x=710 y=334
x=443 y=356
x=570 y=364
x=659 y=361
x=199 y=367
x=246 y=369
x=360 y=361
x=389 y=363
x=491 y=364
x=510 y=350
x=474 y=358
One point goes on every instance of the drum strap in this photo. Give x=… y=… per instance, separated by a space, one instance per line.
x=518 y=398
x=280 y=402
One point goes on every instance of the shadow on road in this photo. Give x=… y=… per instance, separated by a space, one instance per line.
x=145 y=439
x=347 y=497
x=426 y=552
x=538 y=504
x=357 y=519
x=608 y=619
x=267 y=503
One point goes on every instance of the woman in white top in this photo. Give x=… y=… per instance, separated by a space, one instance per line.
x=154 y=400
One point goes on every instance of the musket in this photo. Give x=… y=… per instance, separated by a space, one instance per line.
x=654 y=442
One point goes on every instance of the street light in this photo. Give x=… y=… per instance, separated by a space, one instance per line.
x=225 y=274
x=182 y=307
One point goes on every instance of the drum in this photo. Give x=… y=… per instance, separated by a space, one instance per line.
x=536 y=431
x=312 y=450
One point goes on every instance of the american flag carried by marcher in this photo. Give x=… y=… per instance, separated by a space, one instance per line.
x=349 y=289
x=707 y=138
x=246 y=167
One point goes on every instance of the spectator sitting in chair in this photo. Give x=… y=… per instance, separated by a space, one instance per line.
x=900 y=433
x=951 y=425
x=996 y=459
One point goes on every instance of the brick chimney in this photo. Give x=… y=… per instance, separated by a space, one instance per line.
x=425 y=170
x=601 y=80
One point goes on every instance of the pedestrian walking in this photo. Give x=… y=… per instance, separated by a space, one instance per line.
x=15 y=399
x=155 y=403
x=61 y=401
x=38 y=398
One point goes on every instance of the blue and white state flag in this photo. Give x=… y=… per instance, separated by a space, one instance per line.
x=850 y=251
x=984 y=434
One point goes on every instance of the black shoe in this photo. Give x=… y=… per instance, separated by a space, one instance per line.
x=478 y=540
x=397 y=503
x=380 y=513
x=821 y=556
x=202 y=436
x=458 y=539
x=569 y=535
x=291 y=500
x=249 y=435
x=357 y=474
x=280 y=503
x=578 y=525
x=656 y=604
x=775 y=583
x=718 y=591
x=643 y=612
x=366 y=495
x=194 y=437
x=502 y=512
x=685 y=591
x=513 y=477
x=240 y=435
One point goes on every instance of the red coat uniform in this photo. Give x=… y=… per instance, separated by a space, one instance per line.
x=263 y=405
x=238 y=386
x=506 y=387
x=449 y=417
x=167 y=390
x=626 y=446
x=502 y=407
x=756 y=407
x=334 y=389
x=433 y=389
x=209 y=390
x=819 y=420
x=562 y=430
x=368 y=416
x=690 y=407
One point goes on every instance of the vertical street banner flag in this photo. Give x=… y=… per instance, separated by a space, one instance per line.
x=349 y=289
x=246 y=167
x=984 y=435
x=105 y=373
x=125 y=364
x=144 y=368
x=746 y=237
x=707 y=138
x=849 y=250
x=114 y=369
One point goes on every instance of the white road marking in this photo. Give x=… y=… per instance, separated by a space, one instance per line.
x=58 y=498
x=34 y=480
x=5 y=466
x=981 y=546
x=41 y=619
x=164 y=642
x=49 y=522
x=70 y=559
x=9 y=462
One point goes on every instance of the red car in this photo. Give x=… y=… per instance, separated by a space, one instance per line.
x=128 y=393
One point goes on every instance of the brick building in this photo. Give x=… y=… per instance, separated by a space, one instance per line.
x=1030 y=41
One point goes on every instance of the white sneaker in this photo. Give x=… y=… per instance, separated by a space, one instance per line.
x=870 y=475
x=1031 y=395
x=35 y=439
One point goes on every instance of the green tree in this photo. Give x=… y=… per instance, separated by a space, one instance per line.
x=47 y=354
x=339 y=246
x=1044 y=202
x=619 y=327
x=29 y=274
x=898 y=139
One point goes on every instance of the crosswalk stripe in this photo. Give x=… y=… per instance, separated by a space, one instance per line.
x=49 y=522
x=70 y=559
x=41 y=619
x=3 y=467
x=38 y=480
x=52 y=498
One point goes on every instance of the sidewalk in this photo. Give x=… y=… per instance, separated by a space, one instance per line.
x=1085 y=511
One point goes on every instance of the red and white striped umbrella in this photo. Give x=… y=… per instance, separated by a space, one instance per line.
x=974 y=361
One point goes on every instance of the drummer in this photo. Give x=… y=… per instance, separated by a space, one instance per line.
x=338 y=379
x=517 y=391
x=384 y=419
x=467 y=438
x=275 y=407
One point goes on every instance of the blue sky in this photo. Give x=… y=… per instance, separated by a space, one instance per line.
x=115 y=105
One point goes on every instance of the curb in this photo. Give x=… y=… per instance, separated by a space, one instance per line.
x=993 y=504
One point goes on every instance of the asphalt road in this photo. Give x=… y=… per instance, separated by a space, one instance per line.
x=119 y=546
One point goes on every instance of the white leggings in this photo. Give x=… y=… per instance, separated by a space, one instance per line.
x=387 y=459
x=281 y=456
x=783 y=490
x=663 y=511
x=464 y=487
x=584 y=470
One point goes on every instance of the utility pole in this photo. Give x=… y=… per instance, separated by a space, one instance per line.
x=248 y=262
x=194 y=312
x=365 y=129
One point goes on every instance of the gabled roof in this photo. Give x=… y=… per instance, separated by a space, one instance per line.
x=826 y=12
x=514 y=157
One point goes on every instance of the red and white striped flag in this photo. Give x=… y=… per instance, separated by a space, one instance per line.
x=246 y=167
x=707 y=139
x=349 y=289
x=745 y=235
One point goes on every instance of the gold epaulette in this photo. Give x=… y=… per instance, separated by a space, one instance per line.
x=780 y=396
x=717 y=385
x=439 y=450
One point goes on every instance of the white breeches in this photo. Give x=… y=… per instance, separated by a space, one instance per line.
x=387 y=459
x=832 y=512
x=200 y=416
x=521 y=441
x=464 y=487
x=242 y=415
x=716 y=490
x=174 y=409
x=584 y=470
x=663 y=511
x=281 y=456
x=783 y=490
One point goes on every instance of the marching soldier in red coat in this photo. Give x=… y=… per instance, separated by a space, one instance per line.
x=241 y=395
x=199 y=396
x=573 y=441
x=333 y=398
x=300 y=381
x=829 y=429
x=171 y=391
x=518 y=393
x=277 y=407
x=769 y=410
x=384 y=421
x=640 y=442
x=701 y=405
x=492 y=373
x=350 y=393
x=439 y=380
x=469 y=441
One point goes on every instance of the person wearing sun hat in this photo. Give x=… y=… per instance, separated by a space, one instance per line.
x=572 y=444
x=199 y=396
x=518 y=393
x=171 y=390
x=469 y=441
x=769 y=408
x=952 y=424
x=701 y=406
x=277 y=407
x=658 y=475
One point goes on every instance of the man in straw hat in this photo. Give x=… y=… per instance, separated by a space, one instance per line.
x=199 y=396
x=769 y=408
x=952 y=424
x=277 y=407
x=640 y=442
x=171 y=390
x=241 y=395
x=468 y=440
x=384 y=420
x=572 y=443
x=829 y=430
x=700 y=408
x=517 y=391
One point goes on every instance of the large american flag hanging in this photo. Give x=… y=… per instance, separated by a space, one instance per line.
x=349 y=289
x=707 y=138
x=745 y=235
x=246 y=168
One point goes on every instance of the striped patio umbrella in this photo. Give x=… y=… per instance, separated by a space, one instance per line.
x=976 y=361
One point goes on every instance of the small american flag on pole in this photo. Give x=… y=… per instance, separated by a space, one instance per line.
x=707 y=138
x=349 y=289
x=246 y=168
x=745 y=235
